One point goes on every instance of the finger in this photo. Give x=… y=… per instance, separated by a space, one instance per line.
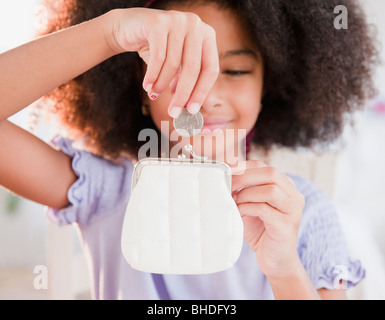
x=208 y=73
x=276 y=224
x=266 y=213
x=172 y=63
x=158 y=51
x=191 y=66
x=174 y=82
x=271 y=194
x=290 y=180
x=253 y=229
x=241 y=169
x=261 y=176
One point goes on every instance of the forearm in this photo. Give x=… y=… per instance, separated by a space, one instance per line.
x=295 y=286
x=34 y=69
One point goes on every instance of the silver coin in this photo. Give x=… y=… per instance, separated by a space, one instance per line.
x=187 y=124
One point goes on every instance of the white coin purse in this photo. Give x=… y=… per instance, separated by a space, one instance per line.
x=181 y=218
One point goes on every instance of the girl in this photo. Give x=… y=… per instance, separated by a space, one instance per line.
x=278 y=69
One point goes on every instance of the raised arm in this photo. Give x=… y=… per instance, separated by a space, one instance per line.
x=174 y=45
x=28 y=166
x=34 y=69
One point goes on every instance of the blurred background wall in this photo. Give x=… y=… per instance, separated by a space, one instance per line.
x=23 y=225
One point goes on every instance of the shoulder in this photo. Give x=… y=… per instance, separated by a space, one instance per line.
x=102 y=186
x=73 y=148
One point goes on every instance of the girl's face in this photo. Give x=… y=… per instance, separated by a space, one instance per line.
x=234 y=102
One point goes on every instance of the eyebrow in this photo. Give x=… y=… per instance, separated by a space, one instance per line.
x=238 y=53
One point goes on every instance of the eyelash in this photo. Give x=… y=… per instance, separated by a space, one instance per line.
x=236 y=73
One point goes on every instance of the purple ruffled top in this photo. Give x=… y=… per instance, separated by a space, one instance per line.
x=99 y=199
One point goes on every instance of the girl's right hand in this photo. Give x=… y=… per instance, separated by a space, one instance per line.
x=179 y=49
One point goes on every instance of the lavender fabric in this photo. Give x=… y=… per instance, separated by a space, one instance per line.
x=98 y=202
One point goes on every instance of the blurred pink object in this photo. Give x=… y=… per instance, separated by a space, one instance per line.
x=379 y=107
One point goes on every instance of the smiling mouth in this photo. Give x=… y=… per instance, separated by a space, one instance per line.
x=212 y=123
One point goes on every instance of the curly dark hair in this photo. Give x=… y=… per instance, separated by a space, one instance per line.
x=314 y=74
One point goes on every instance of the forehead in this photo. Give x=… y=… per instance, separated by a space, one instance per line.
x=230 y=32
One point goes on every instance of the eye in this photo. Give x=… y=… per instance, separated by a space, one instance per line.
x=236 y=72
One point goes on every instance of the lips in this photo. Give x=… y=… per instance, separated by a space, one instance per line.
x=212 y=123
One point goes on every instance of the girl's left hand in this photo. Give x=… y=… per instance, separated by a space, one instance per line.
x=271 y=209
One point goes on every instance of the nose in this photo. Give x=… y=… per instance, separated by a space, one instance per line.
x=214 y=100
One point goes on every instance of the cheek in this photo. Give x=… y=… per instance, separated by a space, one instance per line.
x=248 y=106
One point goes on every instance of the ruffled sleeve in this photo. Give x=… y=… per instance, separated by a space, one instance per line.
x=321 y=244
x=102 y=187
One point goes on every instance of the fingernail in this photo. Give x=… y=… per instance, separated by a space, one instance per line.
x=193 y=108
x=149 y=87
x=175 y=112
x=153 y=95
